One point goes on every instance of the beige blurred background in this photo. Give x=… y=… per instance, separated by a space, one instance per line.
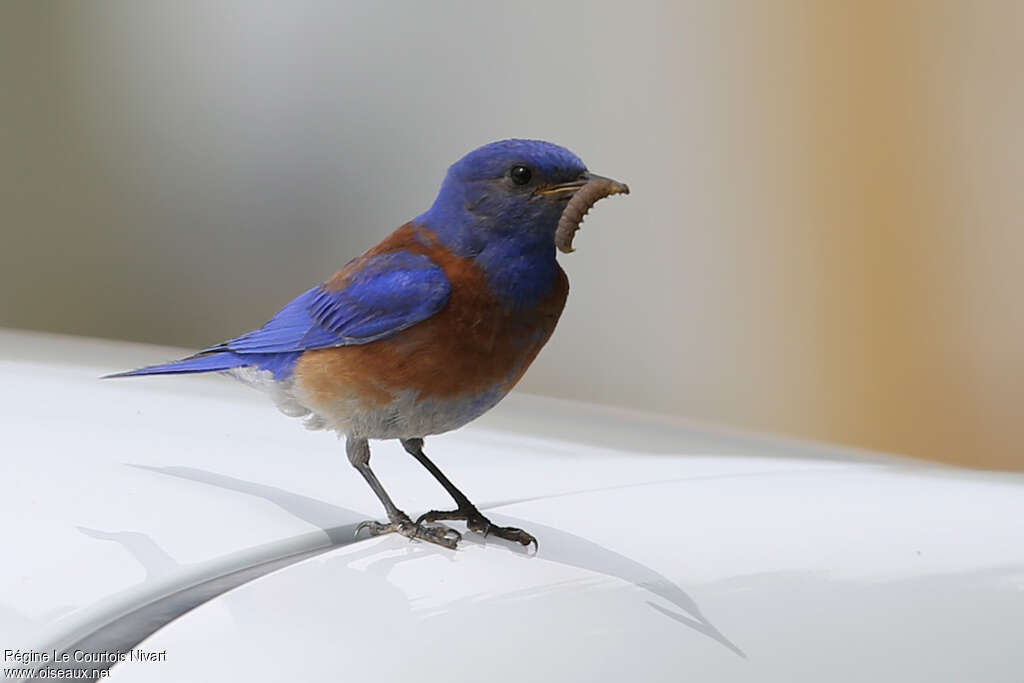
x=825 y=237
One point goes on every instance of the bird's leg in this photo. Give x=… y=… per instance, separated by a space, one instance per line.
x=358 y=451
x=465 y=510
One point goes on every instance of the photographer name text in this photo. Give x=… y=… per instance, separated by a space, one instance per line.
x=83 y=656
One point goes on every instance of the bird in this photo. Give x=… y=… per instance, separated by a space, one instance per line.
x=430 y=328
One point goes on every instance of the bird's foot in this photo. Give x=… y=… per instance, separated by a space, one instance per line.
x=438 y=534
x=475 y=521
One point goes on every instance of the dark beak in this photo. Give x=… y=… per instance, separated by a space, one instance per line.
x=568 y=189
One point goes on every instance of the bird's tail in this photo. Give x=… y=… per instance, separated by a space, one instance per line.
x=201 y=362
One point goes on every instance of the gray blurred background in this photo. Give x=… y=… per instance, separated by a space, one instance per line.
x=824 y=237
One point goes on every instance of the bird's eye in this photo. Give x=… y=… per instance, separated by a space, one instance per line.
x=520 y=175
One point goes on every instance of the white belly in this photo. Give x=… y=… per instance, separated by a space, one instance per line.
x=405 y=417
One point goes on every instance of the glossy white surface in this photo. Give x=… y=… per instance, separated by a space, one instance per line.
x=665 y=551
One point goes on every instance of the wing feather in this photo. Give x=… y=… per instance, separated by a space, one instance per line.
x=382 y=295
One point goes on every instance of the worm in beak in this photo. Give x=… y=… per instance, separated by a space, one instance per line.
x=595 y=188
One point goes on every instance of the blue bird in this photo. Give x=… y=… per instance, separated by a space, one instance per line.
x=433 y=326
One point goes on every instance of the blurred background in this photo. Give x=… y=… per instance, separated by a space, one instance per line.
x=825 y=236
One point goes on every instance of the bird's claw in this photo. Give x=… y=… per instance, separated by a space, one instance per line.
x=437 y=534
x=480 y=524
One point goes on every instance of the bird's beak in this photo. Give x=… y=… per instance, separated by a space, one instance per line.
x=568 y=189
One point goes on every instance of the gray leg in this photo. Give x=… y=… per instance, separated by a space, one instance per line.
x=358 y=451
x=465 y=510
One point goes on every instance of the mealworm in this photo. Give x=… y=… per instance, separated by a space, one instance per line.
x=598 y=187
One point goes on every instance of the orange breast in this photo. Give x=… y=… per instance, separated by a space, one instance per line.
x=474 y=345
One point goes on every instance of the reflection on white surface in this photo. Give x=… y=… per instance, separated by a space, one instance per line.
x=127 y=630
x=560 y=546
x=387 y=610
x=190 y=509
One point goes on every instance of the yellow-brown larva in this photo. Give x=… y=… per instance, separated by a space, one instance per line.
x=598 y=187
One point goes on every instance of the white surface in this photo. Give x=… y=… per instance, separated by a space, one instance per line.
x=664 y=550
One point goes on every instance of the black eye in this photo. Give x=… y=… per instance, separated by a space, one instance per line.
x=520 y=175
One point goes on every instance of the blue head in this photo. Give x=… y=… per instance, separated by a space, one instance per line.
x=507 y=190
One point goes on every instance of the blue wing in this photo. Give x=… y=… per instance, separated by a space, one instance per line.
x=382 y=295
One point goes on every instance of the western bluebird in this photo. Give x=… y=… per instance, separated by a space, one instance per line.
x=433 y=326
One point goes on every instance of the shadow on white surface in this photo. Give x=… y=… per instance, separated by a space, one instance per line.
x=124 y=631
x=558 y=545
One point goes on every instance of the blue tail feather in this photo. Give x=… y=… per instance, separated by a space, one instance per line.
x=280 y=364
x=211 y=362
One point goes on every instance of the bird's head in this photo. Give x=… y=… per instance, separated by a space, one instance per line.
x=511 y=189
